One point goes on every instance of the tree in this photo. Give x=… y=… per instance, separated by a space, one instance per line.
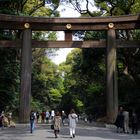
x=103 y=7
x=128 y=60
x=10 y=77
x=47 y=87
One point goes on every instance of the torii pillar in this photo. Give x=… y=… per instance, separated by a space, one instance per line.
x=111 y=87
x=26 y=65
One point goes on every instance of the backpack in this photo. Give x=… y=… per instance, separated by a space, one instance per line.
x=75 y=118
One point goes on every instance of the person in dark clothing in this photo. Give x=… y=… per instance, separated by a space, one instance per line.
x=37 y=116
x=1 y=121
x=32 y=121
x=64 y=116
x=134 y=123
x=120 y=120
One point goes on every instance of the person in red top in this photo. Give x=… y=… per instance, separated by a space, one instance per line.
x=43 y=114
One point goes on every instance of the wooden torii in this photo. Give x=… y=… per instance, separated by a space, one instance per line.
x=68 y=25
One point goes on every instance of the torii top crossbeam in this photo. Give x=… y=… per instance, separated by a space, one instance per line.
x=73 y=24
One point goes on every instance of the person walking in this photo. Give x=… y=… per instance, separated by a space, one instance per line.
x=52 y=115
x=64 y=116
x=134 y=123
x=1 y=121
x=73 y=119
x=47 y=116
x=43 y=115
x=120 y=120
x=37 y=116
x=57 y=123
x=32 y=121
x=126 y=121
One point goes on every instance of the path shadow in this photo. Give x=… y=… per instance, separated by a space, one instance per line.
x=81 y=131
x=19 y=130
x=100 y=132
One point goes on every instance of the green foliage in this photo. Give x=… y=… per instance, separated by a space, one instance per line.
x=34 y=8
x=10 y=6
x=129 y=78
x=10 y=60
x=128 y=59
x=85 y=88
x=55 y=97
x=37 y=106
x=136 y=34
x=10 y=80
x=95 y=35
x=79 y=105
x=118 y=7
x=47 y=83
x=104 y=7
x=135 y=7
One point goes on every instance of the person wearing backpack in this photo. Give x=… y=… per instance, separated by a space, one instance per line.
x=73 y=119
x=32 y=121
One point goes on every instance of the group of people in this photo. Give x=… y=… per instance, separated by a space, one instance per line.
x=44 y=116
x=122 y=121
x=6 y=120
x=57 y=120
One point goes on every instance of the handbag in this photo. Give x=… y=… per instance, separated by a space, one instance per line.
x=52 y=126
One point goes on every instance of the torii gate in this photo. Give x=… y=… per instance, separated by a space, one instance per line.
x=68 y=25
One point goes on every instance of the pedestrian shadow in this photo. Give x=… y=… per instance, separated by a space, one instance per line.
x=63 y=137
x=50 y=137
x=100 y=132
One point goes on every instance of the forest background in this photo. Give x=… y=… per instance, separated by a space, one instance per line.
x=80 y=81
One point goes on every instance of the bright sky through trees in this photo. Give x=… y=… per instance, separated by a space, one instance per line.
x=67 y=12
x=62 y=53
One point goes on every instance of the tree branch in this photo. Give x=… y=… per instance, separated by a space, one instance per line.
x=36 y=8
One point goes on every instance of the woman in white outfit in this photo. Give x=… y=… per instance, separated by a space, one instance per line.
x=73 y=118
x=126 y=121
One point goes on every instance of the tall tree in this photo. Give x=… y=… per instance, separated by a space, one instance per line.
x=20 y=7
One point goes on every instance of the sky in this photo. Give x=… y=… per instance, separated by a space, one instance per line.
x=62 y=53
x=67 y=12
